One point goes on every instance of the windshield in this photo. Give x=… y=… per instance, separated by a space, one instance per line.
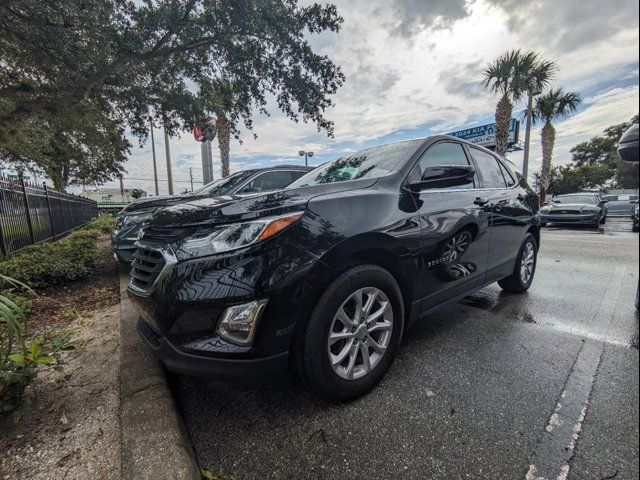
x=224 y=186
x=590 y=199
x=370 y=163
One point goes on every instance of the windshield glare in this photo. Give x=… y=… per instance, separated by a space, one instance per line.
x=224 y=186
x=591 y=199
x=370 y=163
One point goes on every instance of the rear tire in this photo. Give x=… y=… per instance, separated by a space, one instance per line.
x=522 y=277
x=317 y=361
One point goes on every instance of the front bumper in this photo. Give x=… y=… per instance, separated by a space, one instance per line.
x=576 y=219
x=185 y=362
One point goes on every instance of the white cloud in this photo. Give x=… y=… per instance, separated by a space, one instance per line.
x=414 y=68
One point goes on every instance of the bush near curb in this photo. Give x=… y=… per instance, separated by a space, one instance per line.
x=103 y=223
x=54 y=263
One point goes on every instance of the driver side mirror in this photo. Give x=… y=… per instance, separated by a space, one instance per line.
x=442 y=176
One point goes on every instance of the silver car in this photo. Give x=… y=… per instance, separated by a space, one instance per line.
x=575 y=208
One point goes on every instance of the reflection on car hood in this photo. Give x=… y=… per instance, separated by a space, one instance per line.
x=159 y=201
x=232 y=208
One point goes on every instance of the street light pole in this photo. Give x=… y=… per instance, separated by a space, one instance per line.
x=153 y=153
x=306 y=156
x=168 y=154
x=527 y=134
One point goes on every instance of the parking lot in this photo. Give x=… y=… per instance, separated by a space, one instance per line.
x=494 y=386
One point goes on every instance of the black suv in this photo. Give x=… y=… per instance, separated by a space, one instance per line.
x=324 y=276
x=130 y=219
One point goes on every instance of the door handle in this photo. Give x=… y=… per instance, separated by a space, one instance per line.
x=481 y=201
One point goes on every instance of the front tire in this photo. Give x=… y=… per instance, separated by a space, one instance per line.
x=522 y=277
x=353 y=334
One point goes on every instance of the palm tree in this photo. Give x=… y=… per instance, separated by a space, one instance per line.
x=514 y=74
x=218 y=97
x=551 y=106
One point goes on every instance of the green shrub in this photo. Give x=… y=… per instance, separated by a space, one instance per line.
x=84 y=234
x=54 y=263
x=103 y=223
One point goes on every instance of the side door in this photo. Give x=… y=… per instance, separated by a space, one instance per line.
x=454 y=230
x=507 y=205
x=267 y=181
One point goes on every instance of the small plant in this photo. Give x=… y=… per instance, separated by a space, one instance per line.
x=20 y=359
x=103 y=223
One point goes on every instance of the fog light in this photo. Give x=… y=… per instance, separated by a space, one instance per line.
x=238 y=323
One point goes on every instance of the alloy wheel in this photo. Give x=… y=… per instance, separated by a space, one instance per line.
x=527 y=263
x=360 y=333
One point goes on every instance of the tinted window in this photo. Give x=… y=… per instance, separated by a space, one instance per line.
x=268 y=181
x=370 y=163
x=590 y=199
x=296 y=174
x=507 y=175
x=489 y=169
x=445 y=153
x=225 y=186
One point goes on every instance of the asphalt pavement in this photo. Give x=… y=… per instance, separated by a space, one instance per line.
x=496 y=386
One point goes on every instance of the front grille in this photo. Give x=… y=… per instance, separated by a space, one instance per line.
x=145 y=268
x=161 y=235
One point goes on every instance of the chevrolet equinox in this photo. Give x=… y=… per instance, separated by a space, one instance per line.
x=323 y=278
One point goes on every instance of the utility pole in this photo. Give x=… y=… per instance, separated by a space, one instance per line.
x=191 y=177
x=153 y=153
x=168 y=154
x=527 y=134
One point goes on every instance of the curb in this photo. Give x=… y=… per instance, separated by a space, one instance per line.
x=154 y=442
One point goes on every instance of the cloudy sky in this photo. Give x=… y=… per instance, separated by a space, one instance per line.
x=413 y=68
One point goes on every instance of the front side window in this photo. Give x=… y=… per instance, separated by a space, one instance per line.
x=445 y=153
x=489 y=169
x=268 y=181
x=370 y=163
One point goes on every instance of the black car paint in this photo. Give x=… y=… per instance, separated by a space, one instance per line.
x=123 y=239
x=377 y=220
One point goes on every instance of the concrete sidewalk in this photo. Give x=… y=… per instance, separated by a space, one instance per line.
x=154 y=441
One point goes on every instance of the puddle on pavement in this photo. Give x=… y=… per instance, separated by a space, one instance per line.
x=482 y=299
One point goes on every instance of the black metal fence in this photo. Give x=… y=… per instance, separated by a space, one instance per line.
x=31 y=213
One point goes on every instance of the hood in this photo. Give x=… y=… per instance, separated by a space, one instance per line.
x=231 y=208
x=159 y=201
x=571 y=206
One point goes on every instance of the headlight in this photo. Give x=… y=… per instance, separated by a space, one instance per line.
x=224 y=238
x=591 y=210
x=136 y=217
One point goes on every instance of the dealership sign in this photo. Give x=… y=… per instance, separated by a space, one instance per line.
x=485 y=135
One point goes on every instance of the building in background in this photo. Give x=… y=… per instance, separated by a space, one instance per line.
x=113 y=199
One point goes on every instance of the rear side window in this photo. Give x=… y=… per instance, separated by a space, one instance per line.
x=489 y=169
x=295 y=174
x=445 y=153
x=507 y=175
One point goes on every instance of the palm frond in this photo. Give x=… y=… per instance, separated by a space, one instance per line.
x=554 y=104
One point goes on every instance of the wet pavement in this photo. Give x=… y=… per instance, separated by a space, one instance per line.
x=495 y=386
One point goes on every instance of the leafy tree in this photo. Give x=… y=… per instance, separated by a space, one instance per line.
x=512 y=75
x=132 y=57
x=595 y=165
x=552 y=105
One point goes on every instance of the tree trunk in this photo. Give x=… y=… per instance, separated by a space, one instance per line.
x=503 y=117
x=224 y=137
x=548 y=141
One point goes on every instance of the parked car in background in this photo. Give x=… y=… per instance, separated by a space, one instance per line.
x=246 y=182
x=622 y=205
x=324 y=276
x=575 y=208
